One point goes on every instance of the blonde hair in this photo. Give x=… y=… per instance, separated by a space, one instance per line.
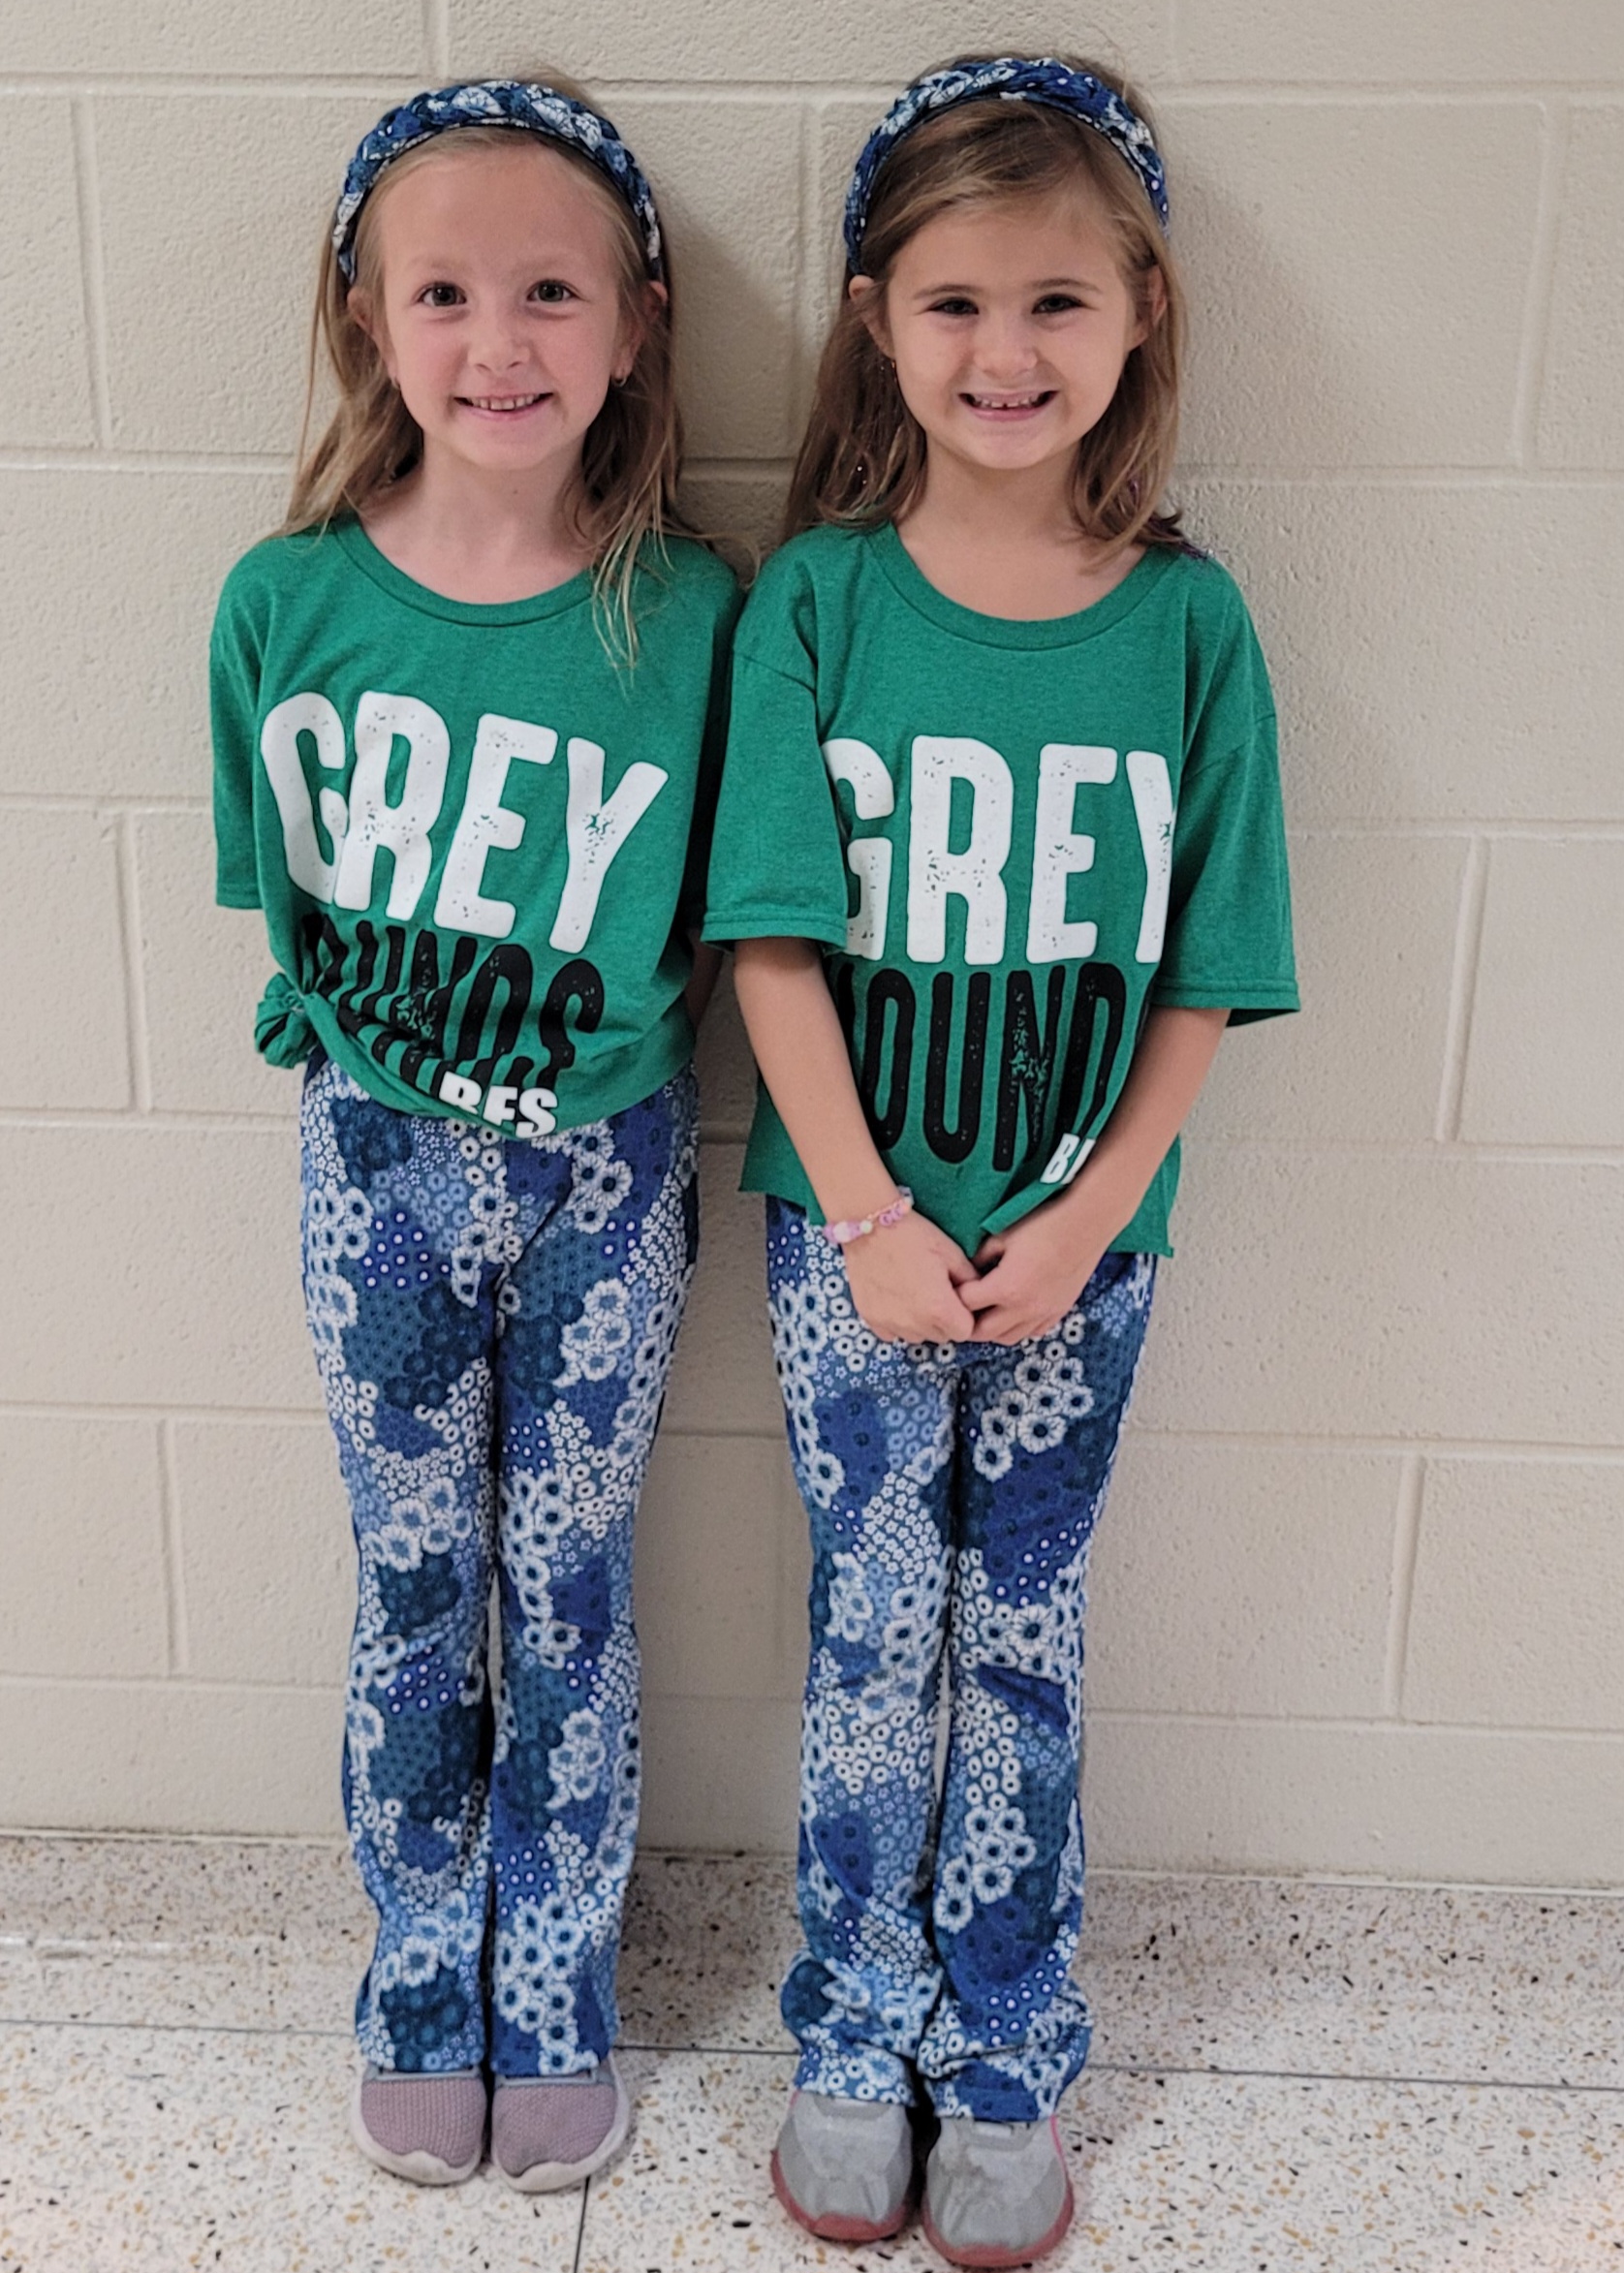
x=863 y=459
x=630 y=454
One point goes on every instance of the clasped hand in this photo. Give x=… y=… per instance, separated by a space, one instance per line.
x=911 y=1282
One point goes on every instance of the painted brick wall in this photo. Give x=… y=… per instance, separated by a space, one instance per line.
x=1356 y=1599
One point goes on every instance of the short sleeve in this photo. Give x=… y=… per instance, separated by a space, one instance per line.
x=1229 y=932
x=777 y=862
x=233 y=681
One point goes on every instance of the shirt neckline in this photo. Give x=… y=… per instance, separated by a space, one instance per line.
x=913 y=586
x=377 y=570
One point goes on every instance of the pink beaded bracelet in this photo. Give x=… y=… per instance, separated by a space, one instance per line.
x=842 y=1234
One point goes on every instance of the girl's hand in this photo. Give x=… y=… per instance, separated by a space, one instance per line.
x=905 y=1281
x=1029 y=1276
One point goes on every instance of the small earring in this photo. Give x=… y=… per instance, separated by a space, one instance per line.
x=619 y=378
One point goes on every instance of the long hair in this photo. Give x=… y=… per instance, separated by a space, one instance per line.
x=630 y=454
x=862 y=460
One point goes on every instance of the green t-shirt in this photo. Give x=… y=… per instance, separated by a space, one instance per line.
x=478 y=841
x=1012 y=839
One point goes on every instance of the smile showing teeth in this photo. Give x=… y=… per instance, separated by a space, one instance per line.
x=500 y=402
x=1009 y=402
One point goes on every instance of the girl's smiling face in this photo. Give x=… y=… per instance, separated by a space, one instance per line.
x=1009 y=326
x=501 y=316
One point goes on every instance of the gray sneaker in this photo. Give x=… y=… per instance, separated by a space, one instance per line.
x=549 y=2132
x=429 y=2129
x=996 y=2193
x=844 y=2168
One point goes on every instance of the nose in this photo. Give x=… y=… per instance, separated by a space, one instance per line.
x=498 y=343
x=1006 y=350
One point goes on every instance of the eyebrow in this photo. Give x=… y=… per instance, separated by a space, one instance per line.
x=1041 y=284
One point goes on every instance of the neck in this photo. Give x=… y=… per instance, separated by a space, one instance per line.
x=965 y=503
x=478 y=534
x=1007 y=543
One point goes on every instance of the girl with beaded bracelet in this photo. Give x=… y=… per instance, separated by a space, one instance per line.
x=999 y=844
x=464 y=726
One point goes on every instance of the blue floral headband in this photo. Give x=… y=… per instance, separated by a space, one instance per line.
x=1019 y=78
x=495 y=101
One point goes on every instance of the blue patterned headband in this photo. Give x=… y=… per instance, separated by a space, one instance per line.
x=1019 y=78
x=495 y=101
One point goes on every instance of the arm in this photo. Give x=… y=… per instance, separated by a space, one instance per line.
x=1032 y=1273
x=701 y=980
x=905 y=1280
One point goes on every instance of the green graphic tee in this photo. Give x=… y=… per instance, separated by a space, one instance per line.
x=479 y=842
x=1012 y=839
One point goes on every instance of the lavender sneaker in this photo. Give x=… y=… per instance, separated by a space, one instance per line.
x=549 y=2131
x=429 y=2129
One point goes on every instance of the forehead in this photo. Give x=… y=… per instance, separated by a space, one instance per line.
x=486 y=199
x=1009 y=239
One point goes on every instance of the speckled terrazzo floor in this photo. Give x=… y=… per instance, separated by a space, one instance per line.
x=1288 y=2077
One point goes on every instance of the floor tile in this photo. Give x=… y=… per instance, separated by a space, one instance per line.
x=707 y=1941
x=1223 y=2174
x=249 y=1985
x=691 y=2193
x=179 y=1890
x=1364 y=1980
x=1234 y=1973
x=131 y=2151
x=1196 y=2174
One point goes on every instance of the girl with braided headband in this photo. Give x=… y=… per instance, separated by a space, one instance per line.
x=999 y=846
x=463 y=710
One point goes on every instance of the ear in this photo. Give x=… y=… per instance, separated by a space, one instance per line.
x=1155 y=305
x=360 y=306
x=656 y=300
x=868 y=296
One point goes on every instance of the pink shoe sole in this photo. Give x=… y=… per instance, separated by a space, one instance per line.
x=842 y=2228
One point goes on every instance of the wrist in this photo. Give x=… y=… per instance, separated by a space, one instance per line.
x=845 y=1231
x=1105 y=1191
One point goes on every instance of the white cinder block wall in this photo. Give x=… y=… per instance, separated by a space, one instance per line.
x=1357 y=1597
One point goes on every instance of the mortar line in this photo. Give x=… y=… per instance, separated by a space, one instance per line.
x=1328 y=1723
x=801 y=371
x=92 y=801
x=137 y=1037
x=437 y=37
x=1345 y=1725
x=1217 y=2071
x=1415 y=1151
x=1541 y=284
x=92 y=272
x=174 y=1579
x=1176 y=45
x=1406 y=1542
x=1378 y=476
x=1288 y=1881
x=1550 y=828
x=19 y=459
x=581 y=2226
x=1463 y=987
x=22 y=458
x=379 y=87
x=1459 y=1448
x=1412 y=94
x=145 y=1118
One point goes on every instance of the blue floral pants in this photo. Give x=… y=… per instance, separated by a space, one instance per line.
x=493 y=1319
x=952 y=1491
